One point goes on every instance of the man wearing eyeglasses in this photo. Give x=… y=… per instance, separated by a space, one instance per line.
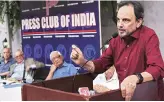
x=23 y=68
x=60 y=68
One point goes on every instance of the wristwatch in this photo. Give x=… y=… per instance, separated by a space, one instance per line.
x=140 y=77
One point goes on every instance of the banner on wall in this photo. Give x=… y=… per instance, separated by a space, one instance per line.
x=56 y=25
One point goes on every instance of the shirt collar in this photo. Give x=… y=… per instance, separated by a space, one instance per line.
x=64 y=64
x=136 y=34
x=10 y=60
x=20 y=63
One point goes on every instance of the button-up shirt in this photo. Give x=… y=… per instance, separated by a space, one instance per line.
x=65 y=70
x=4 y=67
x=138 y=53
x=18 y=71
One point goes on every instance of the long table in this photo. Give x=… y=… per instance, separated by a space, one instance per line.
x=10 y=91
x=64 y=89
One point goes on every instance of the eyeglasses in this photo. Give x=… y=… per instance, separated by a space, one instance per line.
x=57 y=57
x=19 y=56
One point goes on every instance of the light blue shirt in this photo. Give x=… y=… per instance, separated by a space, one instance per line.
x=65 y=70
x=18 y=71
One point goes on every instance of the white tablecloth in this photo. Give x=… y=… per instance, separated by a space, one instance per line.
x=10 y=92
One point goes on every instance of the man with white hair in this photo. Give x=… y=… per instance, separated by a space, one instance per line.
x=22 y=69
x=59 y=67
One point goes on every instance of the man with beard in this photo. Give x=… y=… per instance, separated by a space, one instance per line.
x=135 y=52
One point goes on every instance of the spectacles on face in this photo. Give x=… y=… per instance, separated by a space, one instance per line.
x=18 y=56
x=57 y=57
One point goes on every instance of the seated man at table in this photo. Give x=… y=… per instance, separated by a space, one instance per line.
x=23 y=68
x=59 y=67
x=6 y=62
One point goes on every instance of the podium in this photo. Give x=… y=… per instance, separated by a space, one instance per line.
x=64 y=89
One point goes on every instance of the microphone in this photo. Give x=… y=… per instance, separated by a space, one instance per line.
x=106 y=42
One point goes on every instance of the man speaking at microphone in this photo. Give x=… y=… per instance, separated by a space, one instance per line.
x=135 y=52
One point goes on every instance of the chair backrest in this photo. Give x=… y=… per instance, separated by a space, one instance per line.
x=41 y=74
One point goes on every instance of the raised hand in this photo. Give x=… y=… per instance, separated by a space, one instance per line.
x=77 y=56
x=53 y=68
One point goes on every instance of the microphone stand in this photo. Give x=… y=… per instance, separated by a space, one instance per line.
x=73 y=81
x=24 y=71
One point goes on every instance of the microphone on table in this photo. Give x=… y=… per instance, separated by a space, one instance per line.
x=106 y=42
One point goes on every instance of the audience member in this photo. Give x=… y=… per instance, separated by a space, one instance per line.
x=60 y=68
x=23 y=67
x=6 y=62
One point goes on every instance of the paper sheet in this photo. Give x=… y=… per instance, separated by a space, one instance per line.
x=112 y=84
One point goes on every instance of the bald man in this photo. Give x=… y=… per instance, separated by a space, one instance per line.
x=6 y=62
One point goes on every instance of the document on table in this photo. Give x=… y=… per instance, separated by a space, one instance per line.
x=11 y=91
x=111 y=84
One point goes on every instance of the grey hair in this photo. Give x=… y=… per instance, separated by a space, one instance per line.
x=53 y=52
x=19 y=50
